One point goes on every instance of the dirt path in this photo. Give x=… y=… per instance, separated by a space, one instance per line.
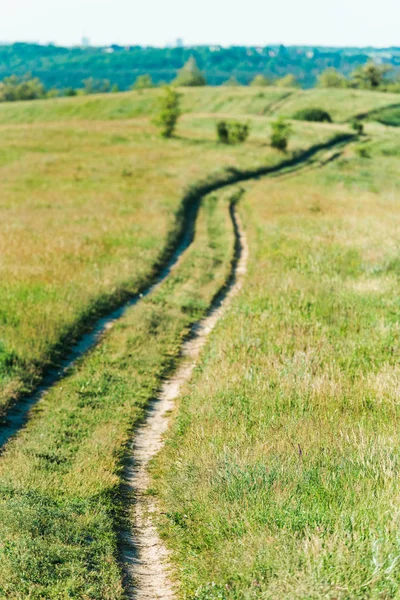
x=145 y=557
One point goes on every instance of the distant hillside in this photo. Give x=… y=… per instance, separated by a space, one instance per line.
x=68 y=67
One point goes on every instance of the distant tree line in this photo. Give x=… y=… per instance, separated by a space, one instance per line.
x=371 y=76
x=68 y=68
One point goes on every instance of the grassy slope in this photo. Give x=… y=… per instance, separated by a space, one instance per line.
x=342 y=104
x=280 y=476
x=86 y=211
x=60 y=479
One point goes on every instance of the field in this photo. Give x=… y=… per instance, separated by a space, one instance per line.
x=88 y=210
x=278 y=478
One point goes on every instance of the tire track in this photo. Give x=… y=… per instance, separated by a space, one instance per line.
x=18 y=414
x=144 y=555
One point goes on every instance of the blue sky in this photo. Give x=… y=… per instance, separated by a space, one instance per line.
x=159 y=22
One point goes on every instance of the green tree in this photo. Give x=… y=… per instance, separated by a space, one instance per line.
x=370 y=76
x=190 y=75
x=281 y=132
x=331 y=78
x=21 y=88
x=289 y=81
x=232 y=82
x=169 y=112
x=143 y=82
x=260 y=81
x=96 y=86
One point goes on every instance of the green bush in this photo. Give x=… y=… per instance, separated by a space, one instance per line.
x=223 y=132
x=169 y=112
x=281 y=132
x=260 y=81
x=143 y=82
x=232 y=82
x=357 y=126
x=317 y=115
x=232 y=132
x=363 y=151
x=21 y=88
x=190 y=75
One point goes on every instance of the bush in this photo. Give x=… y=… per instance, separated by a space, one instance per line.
x=357 y=126
x=232 y=82
x=21 y=88
x=96 y=86
x=289 y=81
x=190 y=75
x=232 y=132
x=260 y=81
x=317 y=115
x=363 y=151
x=281 y=132
x=169 y=112
x=331 y=78
x=143 y=82
x=223 y=132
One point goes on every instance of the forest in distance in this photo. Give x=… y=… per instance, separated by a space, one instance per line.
x=68 y=67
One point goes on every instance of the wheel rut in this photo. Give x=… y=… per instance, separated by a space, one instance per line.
x=18 y=414
x=144 y=555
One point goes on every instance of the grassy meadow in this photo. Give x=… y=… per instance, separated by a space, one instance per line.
x=88 y=210
x=60 y=479
x=280 y=475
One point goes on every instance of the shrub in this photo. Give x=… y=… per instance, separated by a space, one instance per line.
x=21 y=88
x=313 y=114
x=96 y=86
x=232 y=132
x=281 y=132
x=232 y=82
x=357 y=126
x=238 y=132
x=143 y=82
x=260 y=81
x=190 y=75
x=289 y=81
x=363 y=151
x=169 y=112
x=223 y=132
x=331 y=78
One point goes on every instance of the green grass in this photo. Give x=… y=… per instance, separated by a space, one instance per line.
x=87 y=211
x=341 y=104
x=60 y=498
x=280 y=474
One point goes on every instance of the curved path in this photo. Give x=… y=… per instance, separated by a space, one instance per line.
x=144 y=555
x=17 y=416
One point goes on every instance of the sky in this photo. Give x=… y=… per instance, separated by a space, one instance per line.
x=225 y=22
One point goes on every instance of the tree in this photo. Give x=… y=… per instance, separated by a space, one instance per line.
x=289 y=81
x=169 y=112
x=143 y=82
x=190 y=75
x=370 y=76
x=260 y=81
x=96 y=86
x=331 y=78
x=21 y=88
x=232 y=82
x=281 y=132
